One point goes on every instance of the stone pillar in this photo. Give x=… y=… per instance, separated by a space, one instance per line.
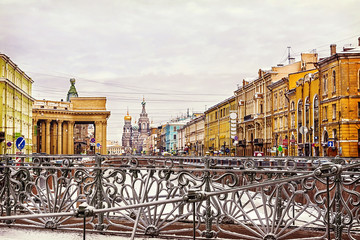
x=71 y=137
x=98 y=135
x=53 y=138
x=43 y=137
x=47 y=144
x=103 y=144
x=59 y=137
x=65 y=138
x=35 y=139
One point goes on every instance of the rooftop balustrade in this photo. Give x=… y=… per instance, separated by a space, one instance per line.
x=178 y=197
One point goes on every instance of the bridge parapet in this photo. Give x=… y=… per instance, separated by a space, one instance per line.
x=212 y=197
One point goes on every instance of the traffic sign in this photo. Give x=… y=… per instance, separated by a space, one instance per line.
x=236 y=138
x=92 y=140
x=330 y=144
x=20 y=143
x=8 y=144
x=98 y=145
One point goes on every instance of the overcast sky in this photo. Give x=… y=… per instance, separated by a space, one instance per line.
x=178 y=54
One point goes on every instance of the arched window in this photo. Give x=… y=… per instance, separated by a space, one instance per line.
x=299 y=120
x=325 y=76
x=307 y=116
x=292 y=106
x=316 y=119
x=334 y=81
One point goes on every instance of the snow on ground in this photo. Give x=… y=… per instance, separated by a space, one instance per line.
x=7 y=233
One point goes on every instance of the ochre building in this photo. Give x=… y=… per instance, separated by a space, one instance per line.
x=54 y=123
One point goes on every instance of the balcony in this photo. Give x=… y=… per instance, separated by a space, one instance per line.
x=242 y=143
x=258 y=141
x=248 y=117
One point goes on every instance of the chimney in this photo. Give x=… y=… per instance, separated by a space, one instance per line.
x=332 y=49
x=291 y=60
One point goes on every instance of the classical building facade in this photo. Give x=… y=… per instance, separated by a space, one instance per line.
x=15 y=107
x=192 y=136
x=58 y=125
x=217 y=128
x=339 y=79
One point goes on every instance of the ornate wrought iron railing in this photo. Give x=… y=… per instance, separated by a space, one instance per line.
x=242 y=198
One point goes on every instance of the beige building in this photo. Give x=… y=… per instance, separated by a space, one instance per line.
x=192 y=136
x=54 y=123
x=263 y=108
x=15 y=107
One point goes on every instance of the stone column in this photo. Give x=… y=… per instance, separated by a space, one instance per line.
x=54 y=138
x=65 y=138
x=47 y=136
x=35 y=138
x=98 y=135
x=43 y=137
x=71 y=137
x=59 y=137
x=103 y=144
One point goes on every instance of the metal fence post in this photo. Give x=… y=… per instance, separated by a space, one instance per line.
x=7 y=185
x=99 y=196
x=208 y=212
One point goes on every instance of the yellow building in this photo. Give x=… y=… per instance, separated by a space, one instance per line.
x=217 y=128
x=339 y=76
x=55 y=125
x=303 y=117
x=281 y=89
x=16 y=106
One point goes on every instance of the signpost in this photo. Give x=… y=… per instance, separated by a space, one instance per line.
x=330 y=144
x=20 y=143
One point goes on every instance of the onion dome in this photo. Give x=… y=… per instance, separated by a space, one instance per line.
x=135 y=127
x=127 y=117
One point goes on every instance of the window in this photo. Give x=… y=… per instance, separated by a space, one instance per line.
x=174 y=136
x=261 y=108
x=334 y=111
x=358 y=109
x=325 y=83
x=292 y=120
x=281 y=100
x=281 y=122
x=334 y=134
x=316 y=118
x=359 y=79
x=275 y=123
x=292 y=105
x=174 y=128
x=216 y=117
x=275 y=101
x=300 y=119
x=325 y=113
x=334 y=81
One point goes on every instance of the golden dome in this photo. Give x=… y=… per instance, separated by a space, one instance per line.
x=127 y=117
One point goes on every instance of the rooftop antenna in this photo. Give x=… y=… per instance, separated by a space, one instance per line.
x=289 y=54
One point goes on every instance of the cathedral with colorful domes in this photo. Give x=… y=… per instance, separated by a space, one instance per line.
x=134 y=135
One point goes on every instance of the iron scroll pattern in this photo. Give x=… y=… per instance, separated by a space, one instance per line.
x=247 y=200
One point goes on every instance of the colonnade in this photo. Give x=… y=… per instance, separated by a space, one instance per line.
x=57 y=136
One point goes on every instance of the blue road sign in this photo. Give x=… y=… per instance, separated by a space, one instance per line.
x=330 y=143
x=20 y=143
x=8 y=144
x=98 y=145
